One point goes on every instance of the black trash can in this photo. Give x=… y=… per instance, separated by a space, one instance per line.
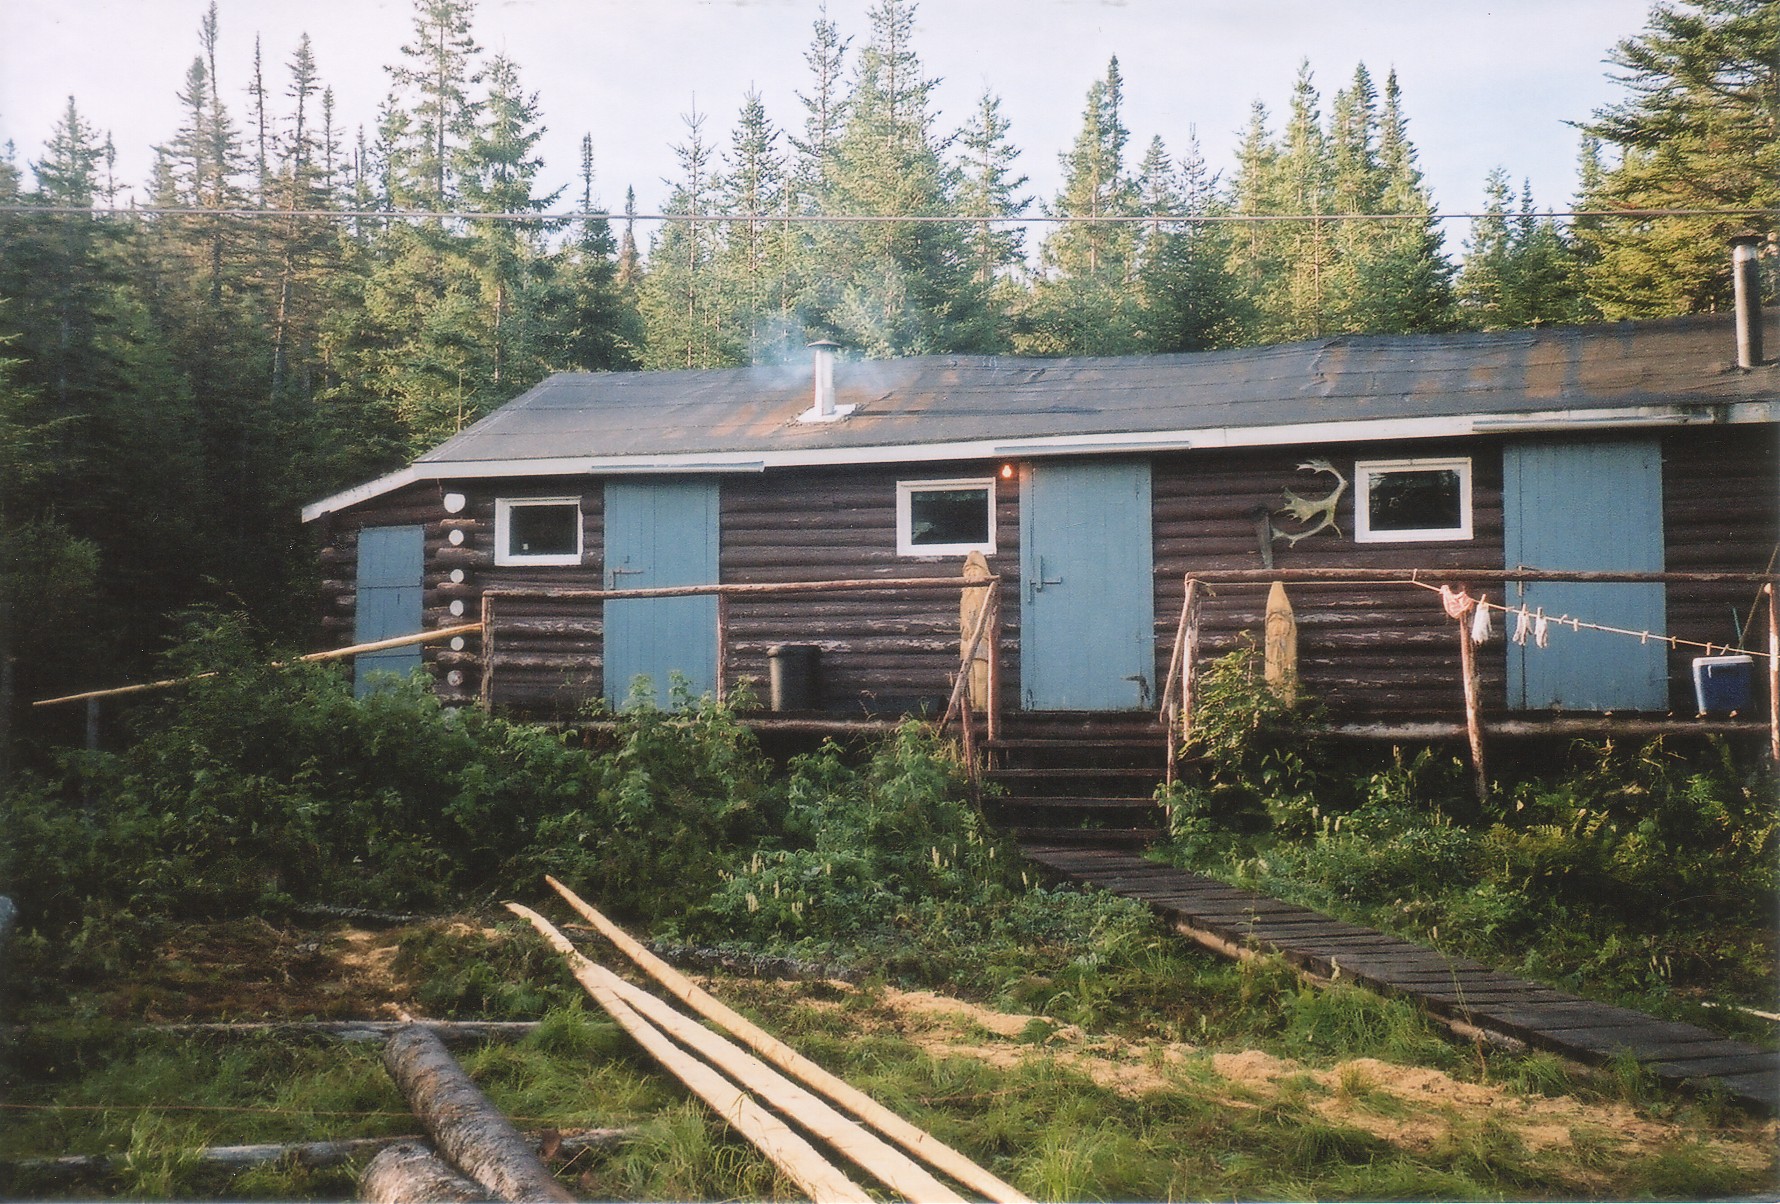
x=791 y=671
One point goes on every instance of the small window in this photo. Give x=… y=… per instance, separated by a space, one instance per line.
x=945 y=518
x=537 y=530
x=1403 y=501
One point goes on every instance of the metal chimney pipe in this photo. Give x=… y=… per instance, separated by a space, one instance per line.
x=824 y=409
x=1746 y=281
x=823 y=363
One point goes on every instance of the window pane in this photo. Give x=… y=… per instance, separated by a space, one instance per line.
x=543 y=530
x=948 y=516
x=1415 y=499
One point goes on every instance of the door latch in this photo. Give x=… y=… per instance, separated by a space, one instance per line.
x=1143 y=688
x=1039 y=582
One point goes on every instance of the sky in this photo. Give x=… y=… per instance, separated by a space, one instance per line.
x=1486 y=83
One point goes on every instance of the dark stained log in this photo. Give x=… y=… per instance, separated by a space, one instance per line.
x=410 y=1173
x=462 y=1123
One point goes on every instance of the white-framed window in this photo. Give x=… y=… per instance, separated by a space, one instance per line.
x=1409 y=501
x=945 y=518
x=537 y=530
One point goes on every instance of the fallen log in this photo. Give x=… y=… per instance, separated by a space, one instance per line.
x=313 y=1155
x=797 y=1158
x=895 y=1169
x=916 y=1141
x=409 y=1173
x=464 y=1126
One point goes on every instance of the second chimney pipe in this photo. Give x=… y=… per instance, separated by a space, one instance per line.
x=823 y=357
x=1746 y=281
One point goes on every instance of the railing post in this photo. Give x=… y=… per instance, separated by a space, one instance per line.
x=1473 y=703
x=992 y=699
x=487 y=692
x=722 y=643
x=1773 y=676
x=1189 y=657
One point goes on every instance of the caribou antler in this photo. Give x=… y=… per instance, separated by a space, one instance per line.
x=1303 y=510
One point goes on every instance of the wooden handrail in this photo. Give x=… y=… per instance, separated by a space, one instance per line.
x=735 y=589
x=1180 y=668
x=332 y=654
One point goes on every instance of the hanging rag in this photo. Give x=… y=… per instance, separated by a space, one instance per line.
x=1541 y=630
x=1456 y=602
x=1523 y=626
x=1481 y=631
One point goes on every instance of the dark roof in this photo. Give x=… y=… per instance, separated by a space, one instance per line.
x=957 y=399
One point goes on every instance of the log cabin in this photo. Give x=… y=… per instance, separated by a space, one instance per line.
x=1093 y=488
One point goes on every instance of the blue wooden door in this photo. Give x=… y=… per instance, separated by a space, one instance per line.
x=661 y=533
x=1087 y=615
x=391 y=561
x=1592 y=506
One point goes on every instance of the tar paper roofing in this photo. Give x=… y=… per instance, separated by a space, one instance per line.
x=949 y=407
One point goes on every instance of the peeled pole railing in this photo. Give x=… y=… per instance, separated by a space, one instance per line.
x=1176 y=711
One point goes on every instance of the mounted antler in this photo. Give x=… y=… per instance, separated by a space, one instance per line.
x=1304 y=510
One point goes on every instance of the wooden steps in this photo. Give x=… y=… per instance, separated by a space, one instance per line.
x=1458 y=990
x=1079 y=779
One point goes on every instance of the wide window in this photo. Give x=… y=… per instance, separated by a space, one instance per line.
x=945 y=518
x=537 y=530
x=1402 y=501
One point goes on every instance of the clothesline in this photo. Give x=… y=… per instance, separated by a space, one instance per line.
x=1535 y=622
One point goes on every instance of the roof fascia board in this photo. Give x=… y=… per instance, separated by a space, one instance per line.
x=1351 y=431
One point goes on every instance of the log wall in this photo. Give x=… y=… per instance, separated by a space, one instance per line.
x=1366 y=652
x=882 y=651
x=1378 y=652
x=1721 y=513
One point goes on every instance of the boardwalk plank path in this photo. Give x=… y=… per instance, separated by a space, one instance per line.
x=1454 y=989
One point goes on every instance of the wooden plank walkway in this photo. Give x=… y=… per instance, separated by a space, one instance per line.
x=1457 y=990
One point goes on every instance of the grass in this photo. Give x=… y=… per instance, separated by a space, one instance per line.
x=1322 y=1127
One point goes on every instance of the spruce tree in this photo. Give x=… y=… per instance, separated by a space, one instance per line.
x=900 y=288
x=1083 y=303
x=1699 y=128
x=754 y=263
x=438 y=69
x=680 y=300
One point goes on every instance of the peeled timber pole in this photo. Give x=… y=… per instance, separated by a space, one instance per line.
x=895 y=1169
x=468 y=1130
x=916 y=1141
x=797 y=1158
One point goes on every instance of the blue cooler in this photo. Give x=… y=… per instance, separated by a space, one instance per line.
x=1721 y=683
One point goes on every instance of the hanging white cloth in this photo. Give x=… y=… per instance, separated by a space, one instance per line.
x=1541 y=630
x=1481 y=630
x=1523 y=626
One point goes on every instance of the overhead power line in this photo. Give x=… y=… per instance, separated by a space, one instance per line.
x=1170 y=219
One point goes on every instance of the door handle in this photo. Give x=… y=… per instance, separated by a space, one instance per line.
x=617 y=573
x=1143 y=687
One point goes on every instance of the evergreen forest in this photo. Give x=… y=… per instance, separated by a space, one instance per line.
x=301 y=303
